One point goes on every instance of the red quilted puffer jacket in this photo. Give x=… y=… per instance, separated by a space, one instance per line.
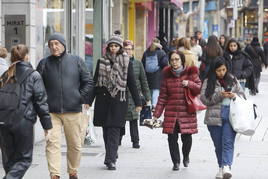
x=172 y=99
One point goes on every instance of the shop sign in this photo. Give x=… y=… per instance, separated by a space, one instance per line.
x=15 y=30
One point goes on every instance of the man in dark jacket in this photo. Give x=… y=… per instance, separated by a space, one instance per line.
x=68 y=83
x=200 y=41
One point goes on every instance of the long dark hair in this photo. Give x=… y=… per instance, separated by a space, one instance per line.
x=233 y=41
x=120 y=51
x=212 y=77
x=213 y=48
x=226 y=39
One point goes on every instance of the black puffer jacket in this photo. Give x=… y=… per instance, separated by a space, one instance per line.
x=67 y=81
x=34 y=97
x=239 y=64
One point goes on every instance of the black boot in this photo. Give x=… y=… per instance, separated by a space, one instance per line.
x=136 y=145
x=186 y=162
x=111 y=166
x=176 y=167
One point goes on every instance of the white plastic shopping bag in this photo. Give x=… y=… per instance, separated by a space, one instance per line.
x=88 y=131
x=242 y=116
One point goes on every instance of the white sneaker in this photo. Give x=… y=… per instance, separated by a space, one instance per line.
x=227 y=172
x=219 y=174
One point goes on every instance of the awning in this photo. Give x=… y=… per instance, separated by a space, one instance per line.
x=178 y=3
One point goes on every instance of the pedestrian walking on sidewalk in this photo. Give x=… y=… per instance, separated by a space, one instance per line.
x=68 y=84
x=172 y=99
x=113 y=76
x=154 y=59
x=257 y=59
x=238 y=63
x=210 y=52
x=217 y=92
x=184 y=46
x=223 y=40
x=3 y=62
x=17 y=135
x=142 y=85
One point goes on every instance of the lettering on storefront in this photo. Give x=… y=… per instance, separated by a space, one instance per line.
x=15 y=30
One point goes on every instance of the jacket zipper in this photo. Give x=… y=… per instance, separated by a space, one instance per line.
x=61 y=90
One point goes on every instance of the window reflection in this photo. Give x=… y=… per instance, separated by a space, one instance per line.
x=89 y=35
x=53 y=20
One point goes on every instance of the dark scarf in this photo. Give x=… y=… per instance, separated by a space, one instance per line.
x=222 y=82
x=113 y=74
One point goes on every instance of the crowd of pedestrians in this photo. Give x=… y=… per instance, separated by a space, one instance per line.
x=215 y=71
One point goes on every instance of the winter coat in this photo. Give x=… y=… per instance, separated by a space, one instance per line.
x=154 y=79
x=213 y=112
x=257 y=58
x=172 y=99
x=143 y=88
x=265 y=49
x=202 y=43
x=109 y=111
x=33 y=96
x=239 y=65
x=67 y=81
x=3 y=65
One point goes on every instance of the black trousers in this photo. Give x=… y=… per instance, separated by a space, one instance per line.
x=174 y=146
x=134 y=131
x=111 y=137
x=17 y=149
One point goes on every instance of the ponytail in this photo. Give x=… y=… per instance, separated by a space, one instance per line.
x=18 y=53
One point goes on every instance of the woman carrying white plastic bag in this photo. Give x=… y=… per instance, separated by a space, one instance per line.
x=217 y=92
x=242 y=116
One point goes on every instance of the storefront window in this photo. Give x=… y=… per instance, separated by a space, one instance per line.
x=89 y=35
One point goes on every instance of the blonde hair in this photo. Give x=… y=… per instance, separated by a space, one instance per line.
x=3 y=52
x=184 y=42
x=18 y=53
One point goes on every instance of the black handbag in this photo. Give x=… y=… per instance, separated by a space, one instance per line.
x=146 y=113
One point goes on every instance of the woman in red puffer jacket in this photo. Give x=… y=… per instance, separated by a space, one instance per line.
x=177 y=77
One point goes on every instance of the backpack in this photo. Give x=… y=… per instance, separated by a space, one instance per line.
x=11 y=111
x=151 y=64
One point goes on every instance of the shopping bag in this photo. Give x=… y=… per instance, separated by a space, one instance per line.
x=146 y=113
x=194 y=104
x=88 y=131
x=242 y=116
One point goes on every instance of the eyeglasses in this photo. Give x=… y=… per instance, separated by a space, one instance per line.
x=175 y=59
x=128 y=49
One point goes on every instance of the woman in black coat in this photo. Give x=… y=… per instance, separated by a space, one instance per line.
x=113 y=75
x=257 y=58
x=238 y=63
x=17 y=137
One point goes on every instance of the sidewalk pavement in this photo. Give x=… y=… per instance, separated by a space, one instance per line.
x=152 y=160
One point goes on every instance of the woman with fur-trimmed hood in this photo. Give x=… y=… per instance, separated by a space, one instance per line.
x=176 y=78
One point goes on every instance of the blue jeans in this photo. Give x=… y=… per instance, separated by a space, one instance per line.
x=155 y=94
x=223 y=138
x=243 y=85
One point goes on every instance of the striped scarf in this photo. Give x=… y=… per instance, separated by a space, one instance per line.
x=113 y=74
